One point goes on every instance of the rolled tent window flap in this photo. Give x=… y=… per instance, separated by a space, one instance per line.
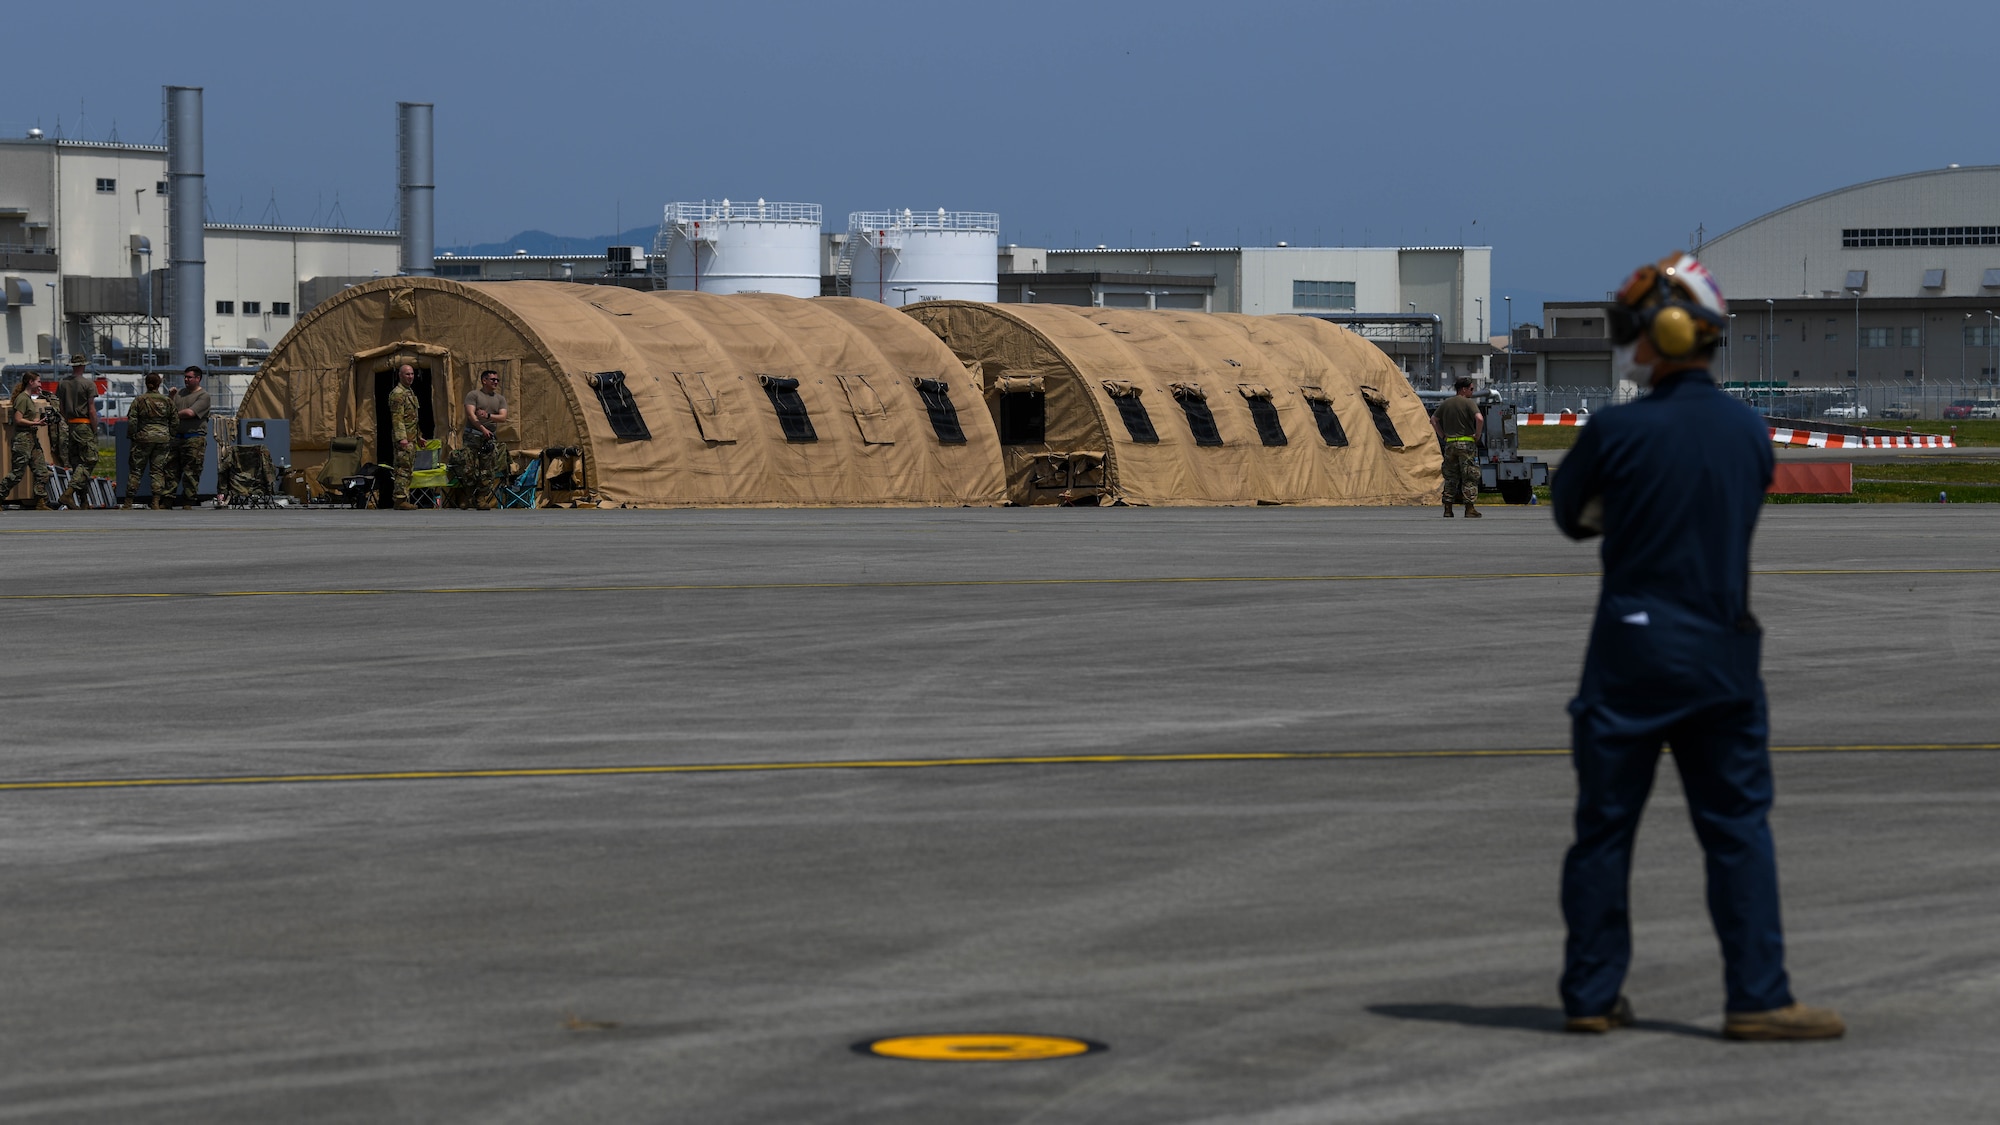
x=711 y=416
x=1019 y=384
x=936 y=395
x=870 y=416
x=1321 y=405
x=619 y=408
x=1201 y=420
x=1264 y=413
x=1378 y=408
x=1137 y=422
x=791 y=409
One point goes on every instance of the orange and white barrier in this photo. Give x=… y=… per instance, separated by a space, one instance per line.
x=1563 y=419
x=1813 y=439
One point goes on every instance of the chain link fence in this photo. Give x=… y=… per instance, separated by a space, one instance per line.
x=1882 y=405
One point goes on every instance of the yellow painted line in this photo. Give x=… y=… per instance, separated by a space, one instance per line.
x=913 y=584
x=905 y=764
x=983 y=1047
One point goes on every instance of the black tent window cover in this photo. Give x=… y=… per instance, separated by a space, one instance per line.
x=1379 y=410
x=1201 y=420
x=1329 y=422
x=1138 y=423
x=1264 y=413
x=792 y=416
x=944 y=416
x=619 y=409
x=1023 y=418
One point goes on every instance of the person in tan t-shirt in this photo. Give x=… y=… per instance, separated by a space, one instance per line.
x=486 y=457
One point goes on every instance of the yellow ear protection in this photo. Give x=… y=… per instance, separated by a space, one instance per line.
x=1647 y=305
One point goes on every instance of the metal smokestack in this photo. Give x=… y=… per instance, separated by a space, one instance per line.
x=186 y=257
x=415 y=187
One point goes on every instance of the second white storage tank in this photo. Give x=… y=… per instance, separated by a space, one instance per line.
x=902 y=257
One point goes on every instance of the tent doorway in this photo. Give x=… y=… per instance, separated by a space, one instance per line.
x=385 y=443
x=385 y=381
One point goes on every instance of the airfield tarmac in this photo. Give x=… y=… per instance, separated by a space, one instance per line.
x=1290 y=851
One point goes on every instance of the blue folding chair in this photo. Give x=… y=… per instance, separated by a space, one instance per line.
x=524 y=490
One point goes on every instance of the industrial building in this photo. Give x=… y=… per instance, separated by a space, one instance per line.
x=1887 y=290
x=1452 y=283
x=83 y=254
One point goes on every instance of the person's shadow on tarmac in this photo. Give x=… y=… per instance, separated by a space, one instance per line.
x=1522 y=1017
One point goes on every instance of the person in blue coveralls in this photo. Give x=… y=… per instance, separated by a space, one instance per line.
x=1674 y=482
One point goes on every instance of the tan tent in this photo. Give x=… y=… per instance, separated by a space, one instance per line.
x=1101 y=405
x=675 y=398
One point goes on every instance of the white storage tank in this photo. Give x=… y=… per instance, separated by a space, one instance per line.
x=717 y=246
x=902 y=257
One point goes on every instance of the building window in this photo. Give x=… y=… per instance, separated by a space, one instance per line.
x=1865 y=237
x=252 y=308
x=1875 y=337
x=1977 y=336
x=225 y=308
x=1332 y=295
x=159 y=187
x=1913 y=337
x=105 y=185
x=281 y=308
x=1831 y=337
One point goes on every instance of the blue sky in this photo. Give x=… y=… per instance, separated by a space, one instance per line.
x=1576 y=139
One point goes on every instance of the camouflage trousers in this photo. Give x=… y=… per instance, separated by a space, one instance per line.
x=148 y=463
x=184 y=466
x=1461 y=472
x=79 y=454
x=485 y=459
x=404 y=463
x=28 y=462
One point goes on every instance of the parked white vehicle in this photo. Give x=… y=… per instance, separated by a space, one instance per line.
x=1845 y=410
x=1986 y=408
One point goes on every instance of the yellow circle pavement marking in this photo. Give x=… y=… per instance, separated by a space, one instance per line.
x=978 y=1047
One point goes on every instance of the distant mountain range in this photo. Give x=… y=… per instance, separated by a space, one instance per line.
x=542 y=242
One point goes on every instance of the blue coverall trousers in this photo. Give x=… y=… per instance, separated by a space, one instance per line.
x=1725 y=767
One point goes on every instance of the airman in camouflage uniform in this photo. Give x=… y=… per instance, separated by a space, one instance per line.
x=27 y=414
x=404 y=420
x=485 y=409
x=150 y=425
x=1458 y=424
x=190 y=440
x=76 y=397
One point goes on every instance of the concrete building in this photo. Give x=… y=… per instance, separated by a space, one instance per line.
x=83 y=248
x=1928 y=234
x=1888 y=290
x=1452 y=282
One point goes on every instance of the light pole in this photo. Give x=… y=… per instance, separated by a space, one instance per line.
x=1764 y=346
x=1731 y=360
x=1510 y=337
x=905 y=290
x=1856 y=290
x=1993 y=343
x=1964 y=327
x=55 y=327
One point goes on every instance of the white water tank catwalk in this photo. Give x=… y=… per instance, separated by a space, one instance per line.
x=717 y=246
x=902 y=257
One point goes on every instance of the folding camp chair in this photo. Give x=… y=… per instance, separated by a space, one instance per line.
x=344 y=475
x=523 y=491
x=429 y=474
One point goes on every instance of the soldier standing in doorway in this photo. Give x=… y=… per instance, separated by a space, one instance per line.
x=190 y=429
x=28 y=416
x=485 y=409
x=150 y=425
x=1458 y=425
x=404 y=416
x=76 y=441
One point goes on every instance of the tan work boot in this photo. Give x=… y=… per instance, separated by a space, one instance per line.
x=1473 y=513
x=1794 y=1021
x=405 y=506
x=1447 y=510
x=126 y=503
x=152 y=503
x=1620 y=1015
